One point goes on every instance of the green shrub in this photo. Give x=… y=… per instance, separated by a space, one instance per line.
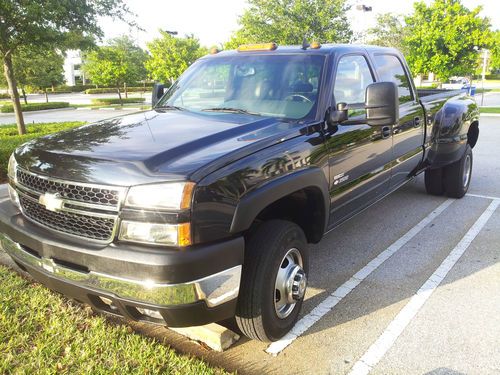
x=4 y=96
x=108 y=90
x=8 y=108
x=75 y=88
x=107 y=101
x=10 y=140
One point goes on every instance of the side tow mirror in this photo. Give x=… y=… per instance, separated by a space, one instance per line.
x=382 y=104
x=158 y=91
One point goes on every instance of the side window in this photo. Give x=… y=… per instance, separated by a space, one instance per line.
x=390 y=69
x=353 y=75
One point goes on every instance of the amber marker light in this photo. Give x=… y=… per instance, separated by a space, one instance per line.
x=187 y=195
x=257 y=47
x=315 y=45
x=184 y=234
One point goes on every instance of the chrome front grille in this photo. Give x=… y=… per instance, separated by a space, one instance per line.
x=95 y=228
x=72 y=191
x=84 y=210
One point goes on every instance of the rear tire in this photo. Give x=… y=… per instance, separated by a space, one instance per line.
x=457 y=176
x=434 y=183
x=267 y=307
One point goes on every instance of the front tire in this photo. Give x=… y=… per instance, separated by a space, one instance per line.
x=274 y=280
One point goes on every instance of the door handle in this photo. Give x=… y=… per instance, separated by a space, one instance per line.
x=386 y=131
x=416 y=122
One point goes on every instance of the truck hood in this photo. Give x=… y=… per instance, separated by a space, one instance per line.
x=157 y=145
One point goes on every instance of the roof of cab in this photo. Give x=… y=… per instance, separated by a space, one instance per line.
x=325 y=49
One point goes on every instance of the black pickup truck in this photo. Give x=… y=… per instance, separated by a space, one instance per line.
x=202 y=208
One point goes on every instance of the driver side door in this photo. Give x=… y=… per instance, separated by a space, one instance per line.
x=360 y=155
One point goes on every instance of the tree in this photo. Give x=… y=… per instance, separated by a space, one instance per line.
x=49 y=24
x=170 y=56
x=495 y=51
x=390 y=31
x=290 y=21
x=39 y=69
x=117 y=64
x=443 y=38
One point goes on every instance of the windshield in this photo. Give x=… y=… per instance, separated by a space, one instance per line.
x=284 y=86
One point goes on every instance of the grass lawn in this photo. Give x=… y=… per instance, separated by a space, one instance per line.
x=489 y=110
x=41 y=332
x=9 y=139
x=479 y=91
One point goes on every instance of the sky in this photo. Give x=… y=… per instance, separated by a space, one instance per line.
x=213 y=21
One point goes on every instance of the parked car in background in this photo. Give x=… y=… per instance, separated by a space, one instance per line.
x=457 y=83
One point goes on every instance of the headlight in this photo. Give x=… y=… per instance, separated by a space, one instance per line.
x=11 y=168
x=173 y=195
x=156 y=233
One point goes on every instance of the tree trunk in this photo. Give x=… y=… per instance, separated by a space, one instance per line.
x=125 y=88
x=119 y=95
x=24 y=95
x=14 y=95
x=46 y=96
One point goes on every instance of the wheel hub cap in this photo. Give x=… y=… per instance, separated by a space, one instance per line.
x=291 y=283
x=467 y=170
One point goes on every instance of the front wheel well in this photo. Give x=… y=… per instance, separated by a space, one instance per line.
x=304 y=207
x=473 y=134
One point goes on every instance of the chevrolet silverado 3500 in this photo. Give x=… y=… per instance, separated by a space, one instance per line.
x=202 y=208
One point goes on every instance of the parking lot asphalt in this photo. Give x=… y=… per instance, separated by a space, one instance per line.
x=409 y=286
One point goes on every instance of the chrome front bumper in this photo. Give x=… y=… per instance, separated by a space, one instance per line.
x=214 y=290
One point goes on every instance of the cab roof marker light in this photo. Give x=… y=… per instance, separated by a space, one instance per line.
x=315 y=45
x=214 y=51
x=257 y=47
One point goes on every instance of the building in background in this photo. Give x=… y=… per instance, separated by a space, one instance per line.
x=72 y=69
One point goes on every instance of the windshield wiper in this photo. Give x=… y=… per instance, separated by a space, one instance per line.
x=170 y=107
x=229 y=109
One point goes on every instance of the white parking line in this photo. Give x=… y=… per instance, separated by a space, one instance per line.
x=482 y=196
x=329 y=303
x=378 y=349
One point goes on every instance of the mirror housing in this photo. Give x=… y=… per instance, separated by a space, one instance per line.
x=382 y=104
x=158 y=91
x=339 y=115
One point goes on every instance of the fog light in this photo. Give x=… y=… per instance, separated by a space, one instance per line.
x=151 y=313
x=108 y=303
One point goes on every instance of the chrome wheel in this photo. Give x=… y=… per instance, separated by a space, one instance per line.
x=467 y=170
x=290 y=285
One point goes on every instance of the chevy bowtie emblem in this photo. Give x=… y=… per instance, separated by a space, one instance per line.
x=52 y=202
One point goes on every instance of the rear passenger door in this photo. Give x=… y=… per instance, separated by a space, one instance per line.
x=408 y=133
x=360 y=155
